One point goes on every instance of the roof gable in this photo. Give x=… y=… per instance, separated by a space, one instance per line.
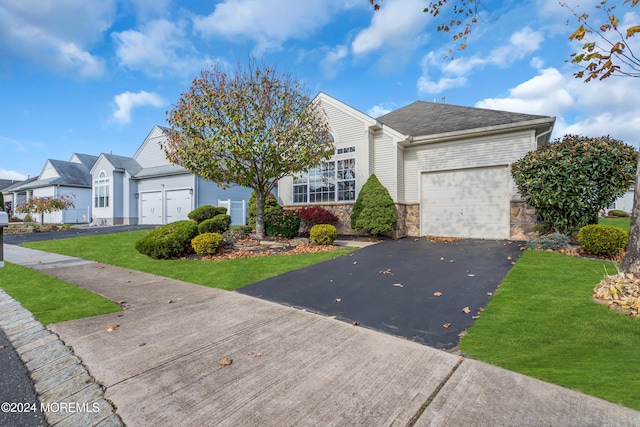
x=427 y=118
x=86 y=159
x=150 y=153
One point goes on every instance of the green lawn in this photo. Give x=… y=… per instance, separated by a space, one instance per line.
x=623 y=223
x=118 y=249
x=49 y=299
x=543 y=323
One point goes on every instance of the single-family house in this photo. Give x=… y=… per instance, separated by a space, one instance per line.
x=446 y=167
x=69 y=178
x=148 y=189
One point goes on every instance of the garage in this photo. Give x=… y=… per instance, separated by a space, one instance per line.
x=471 y=203
x=178 y=205
x=151 y=207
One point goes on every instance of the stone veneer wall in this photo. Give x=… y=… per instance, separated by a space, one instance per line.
x=523 y=220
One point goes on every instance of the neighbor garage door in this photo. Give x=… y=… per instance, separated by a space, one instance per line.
x=466 y=203
x=151 y=208
x=178 y=203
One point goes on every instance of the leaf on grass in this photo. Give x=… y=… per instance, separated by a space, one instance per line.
x=112 y=328
x=226 y=361
x=446 y=325
x=466 y=310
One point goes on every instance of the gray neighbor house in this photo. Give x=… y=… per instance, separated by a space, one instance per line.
x=447 y=168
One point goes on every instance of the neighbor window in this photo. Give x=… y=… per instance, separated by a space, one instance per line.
x=101 y=191
x=332 y=181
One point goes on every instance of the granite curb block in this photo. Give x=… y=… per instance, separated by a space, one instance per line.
x=68 y=394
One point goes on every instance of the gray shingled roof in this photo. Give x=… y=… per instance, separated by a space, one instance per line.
x=428 y=118
x=161 y=170
x=87 y=159
x=124 y=163
x=71 y=174
x=6 y=183
x=20 y=184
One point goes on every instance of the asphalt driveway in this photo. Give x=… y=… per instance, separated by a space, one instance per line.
x=424 y=291
x=16 y=239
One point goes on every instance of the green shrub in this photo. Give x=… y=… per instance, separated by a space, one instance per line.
x=603 y=240
x=374 y=210
x=217 y=224
x=553 y=241
x=543 y=228
x=323 y=234
x=618 y=213
x=282 y=223
x=27 y=218
x=168 y=241
x=205 y=212
x=270 y=205
x=207 y=243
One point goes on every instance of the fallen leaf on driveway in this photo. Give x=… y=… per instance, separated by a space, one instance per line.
x=441 y=258
x=446 y=325
x=471 y=275
x=332 y=317
x=490 y=293
x=2 y=346
x=226 y=361
x=474 y=317
x=509 y=258
x=112 y=328
x=355 y=323
x=387 y=271
x=452 y=260
x=338 y=299
x=437 y=294
x=466 y=310
x=398 y=285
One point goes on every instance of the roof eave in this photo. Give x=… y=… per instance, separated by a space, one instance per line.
x=542 y=123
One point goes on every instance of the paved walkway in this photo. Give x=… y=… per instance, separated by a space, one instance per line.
x=161 y=364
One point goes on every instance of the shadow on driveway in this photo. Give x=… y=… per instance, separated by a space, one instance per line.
x=391 y=286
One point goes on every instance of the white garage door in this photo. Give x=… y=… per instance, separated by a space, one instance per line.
x=178 y=204
x=466 y=203
x=151 y=207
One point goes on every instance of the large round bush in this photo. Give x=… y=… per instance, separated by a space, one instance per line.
x=603 y=240
x=217 y=224
x=168 y=241
x=282 y=223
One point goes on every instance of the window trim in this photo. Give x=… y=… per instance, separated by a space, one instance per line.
x=338 y=186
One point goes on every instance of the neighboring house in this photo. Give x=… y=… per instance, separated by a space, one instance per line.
x=446 y=167
x=72 y=178
x=148 y=189
x=624 y=202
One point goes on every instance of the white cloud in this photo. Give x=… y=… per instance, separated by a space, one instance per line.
x=127 y=101
x=56 y=32
x=159 y=47
x=378 y=110
x=398 y=24
x=333 y=60
x=9 y=174
x=268 y=23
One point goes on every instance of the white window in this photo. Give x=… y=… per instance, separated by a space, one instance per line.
x=101 y=191
x=332 y=181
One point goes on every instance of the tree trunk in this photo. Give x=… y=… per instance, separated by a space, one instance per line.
x=260 y=198
x=631 y=262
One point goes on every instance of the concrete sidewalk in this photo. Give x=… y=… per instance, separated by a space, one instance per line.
x=160 y=365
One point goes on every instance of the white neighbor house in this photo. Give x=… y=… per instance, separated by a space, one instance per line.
x=148 y=189
x=446 y=167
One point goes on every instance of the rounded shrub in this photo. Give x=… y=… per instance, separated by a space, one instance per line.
x=603 y=240
x=207 y=243
x=323 y=234
x=317 y=215
x=618 y=213
x=217 y=224
x=282 y=223
x=205 y=212
x=168 y=241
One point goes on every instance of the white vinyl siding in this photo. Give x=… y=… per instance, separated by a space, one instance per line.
x=150 y=154
x=470 y=203
x=470 y=153
x=386 y=162
x=48 y=172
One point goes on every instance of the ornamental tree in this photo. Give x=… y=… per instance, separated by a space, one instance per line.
x=570 y=180
x=250 y=127
x=42 y=205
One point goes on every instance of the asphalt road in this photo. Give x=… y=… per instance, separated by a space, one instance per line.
x=16 y=239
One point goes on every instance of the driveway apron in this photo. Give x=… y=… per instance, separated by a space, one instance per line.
x=428 y=292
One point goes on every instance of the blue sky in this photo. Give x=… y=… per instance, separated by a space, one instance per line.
x=95 y=76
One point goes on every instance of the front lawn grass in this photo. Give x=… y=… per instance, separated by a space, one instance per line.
x=49 y=299
x=542 y=322
x=118 y=249
x=624 y=223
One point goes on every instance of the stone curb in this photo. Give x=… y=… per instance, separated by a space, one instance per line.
x=68 y=394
